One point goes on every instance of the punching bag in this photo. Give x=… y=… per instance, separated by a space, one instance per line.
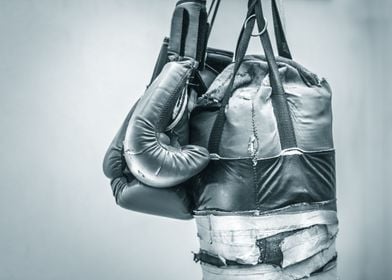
x=265 y=205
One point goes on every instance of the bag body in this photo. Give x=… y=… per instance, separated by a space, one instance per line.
x=265 y=206
x=263 y=210
x=251 y=168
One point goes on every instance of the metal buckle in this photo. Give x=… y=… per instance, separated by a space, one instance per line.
x=260 y=32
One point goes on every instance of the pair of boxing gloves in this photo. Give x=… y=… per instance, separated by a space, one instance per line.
x=149 y=160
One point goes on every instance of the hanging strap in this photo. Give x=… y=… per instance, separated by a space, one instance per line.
x=189 y=30
x=277 y=16
x=242 y=45
x=280 y=36
x=212 y=12
x=278 y=96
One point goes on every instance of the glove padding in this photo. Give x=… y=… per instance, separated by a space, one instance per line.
x=152 y=156
x=174 y=202
x=171 y=202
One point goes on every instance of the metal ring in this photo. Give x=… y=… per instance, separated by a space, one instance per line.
x=262 y=31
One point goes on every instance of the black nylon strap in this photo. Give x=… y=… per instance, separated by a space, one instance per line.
x=242 y=45
x=280 y=36
x=189 y=29
x=213 y=10
x=278 y=97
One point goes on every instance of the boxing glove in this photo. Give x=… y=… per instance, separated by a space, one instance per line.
x=131 y=194
x=154 y=154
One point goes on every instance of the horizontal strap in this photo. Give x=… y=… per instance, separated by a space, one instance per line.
x=205 y=257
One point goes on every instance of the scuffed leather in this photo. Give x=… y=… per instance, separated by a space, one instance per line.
x=174 y=202
x=237 y=185
x=114 y=163
x=129 y=193
x=241 y=180
x=171 y=202
x=152 y=156
x=309 y=103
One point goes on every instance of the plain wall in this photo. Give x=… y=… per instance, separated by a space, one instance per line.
x=69 y=72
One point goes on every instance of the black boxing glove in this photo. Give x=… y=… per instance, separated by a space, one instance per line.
x=153 y=155
x=173 y=202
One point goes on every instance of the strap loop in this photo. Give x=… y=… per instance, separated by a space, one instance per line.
x=280 y=36
x=260 y=32
x=189 y=30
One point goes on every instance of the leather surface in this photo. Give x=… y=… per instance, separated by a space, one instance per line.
x=252 y=173
x=309 y=103
x=131 y=194
x=238 y=185
x=151 y=154
x=173 y=202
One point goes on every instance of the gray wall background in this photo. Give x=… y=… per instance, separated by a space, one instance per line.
x=69 y=72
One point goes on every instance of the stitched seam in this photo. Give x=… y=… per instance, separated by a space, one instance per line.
x=176 y=90
x=178 y=87
x=254 y=155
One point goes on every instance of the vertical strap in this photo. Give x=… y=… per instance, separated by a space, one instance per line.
x=189 y=29
x=280 y=36
x=177 y=32
x=277 y=15
x=213 y=10
x=242 y=46
x=278 y=97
